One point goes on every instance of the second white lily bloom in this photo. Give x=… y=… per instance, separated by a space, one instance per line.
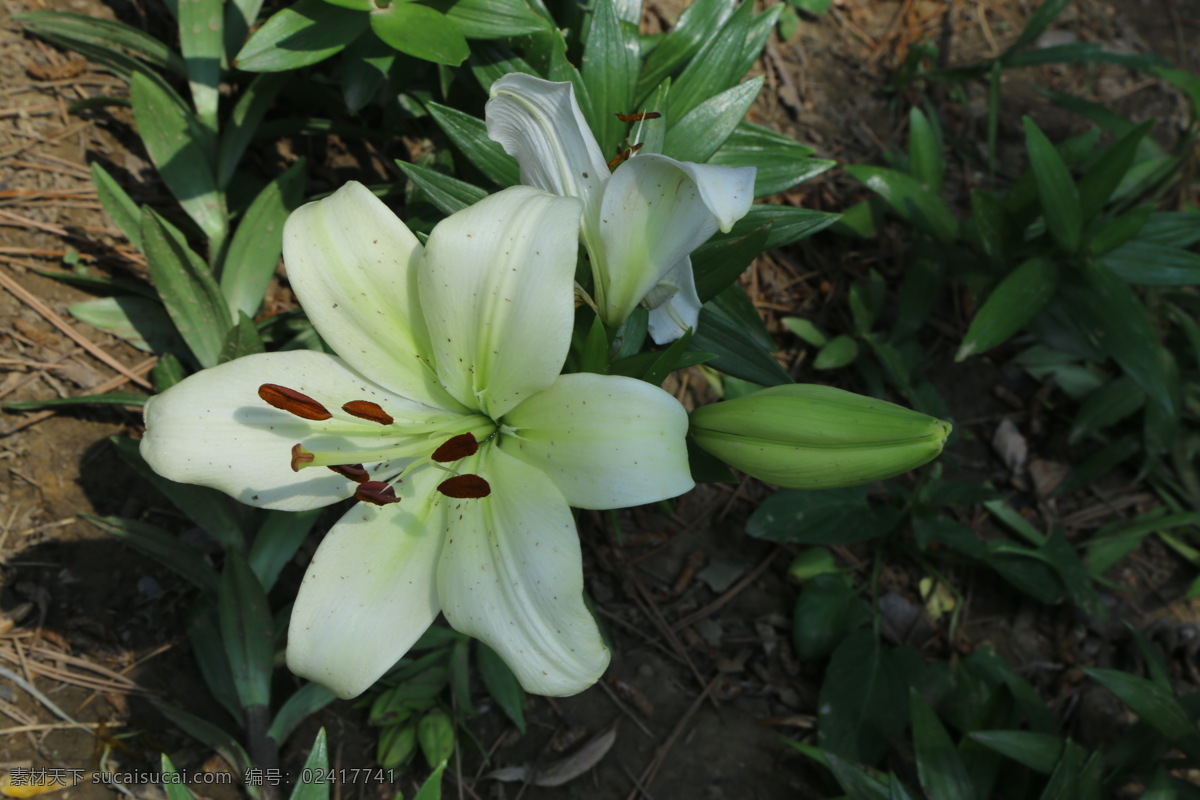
x=640 y=222
x=445 y=413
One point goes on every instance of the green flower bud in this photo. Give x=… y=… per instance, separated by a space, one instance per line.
x=816 y=437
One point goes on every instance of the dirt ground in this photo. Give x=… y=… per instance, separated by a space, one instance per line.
x=703 y=683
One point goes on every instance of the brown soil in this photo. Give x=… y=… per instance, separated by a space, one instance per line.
x=99 y=629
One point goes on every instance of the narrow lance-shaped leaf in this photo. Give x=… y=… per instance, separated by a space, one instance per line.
x=610 y=67
x=469 y=134
x=201 y=38
x=1014 y=302
x=183 y=151
x=421 y=32
x=304 y=33
x=1057 y=191
x=170 y=551
x=705 y=128
x=256 y=245
x=243 y=122
x=246 y=629
x=187 y=287
x=924 y=151
x=316 y=764
x=910 y=199
x=939 y=767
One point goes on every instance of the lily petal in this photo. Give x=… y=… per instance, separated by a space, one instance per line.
x=497 y=290
x=352 y=264
x=511 y=574
x=674 y=304
x=606 y=441
x=539 y=123
x=654 y=213
x=213 y=429
x=369 y=592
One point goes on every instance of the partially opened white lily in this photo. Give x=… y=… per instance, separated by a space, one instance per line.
x=641 y=222
x=445 y=413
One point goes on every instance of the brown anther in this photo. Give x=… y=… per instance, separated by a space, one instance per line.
x=455 y=448
x=623 y=155
x=365 y=409
x=354 y=472
x=293 y=402
x=300 y=457
x=465 y=487
x=638 y=117
x=376 y=492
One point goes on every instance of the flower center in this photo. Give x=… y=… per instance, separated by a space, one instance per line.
x=435 y=443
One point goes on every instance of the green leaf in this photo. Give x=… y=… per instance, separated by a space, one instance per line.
x=247 y=631
x=1154 y=704
x=304 y=702
x=118 y=205
x=258 y=241
x=827 y=610
x=175 y=790
x=431 y=789
x=211 y=510
x=863 y=702
x=697 y=26
x=1171 y=228
x=939 y=768
x=841 y=351
x=924 y=151
x=856 y=781
x=1038 y=751
x=824 y=516
x=1113 y=233
x=610 y=71
x=1015 y=301
x=188 y=290
x=1040 y=20
x=202 y=42
x=706 y=127
x=781 y=161
x=730 y=328
x=448 y=194
x=240 y=17
x=142 y=322
x=168 y=550
x=494 y=19
x=1118 y=324
x=788 y=224
x=1102 y=179
x=303 y=34
x=316 y=763
x=718 y=263
x=366 y=63
x=715 y=68
x=1149 y=264
x=1107 y=405
x=276 y=543
x=1057 y=191
x=421 y=32
x=997 y=233
x=109 y=399
x=469 y=135
x=204 y=637
x=183 y=152
x=910 y=199
x=806 y=330
x=244 y=121
x=243 y=339
x=68 y=29
x=205 y=732
x=501 y=684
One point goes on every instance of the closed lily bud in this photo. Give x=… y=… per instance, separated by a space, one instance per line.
x=816 y=437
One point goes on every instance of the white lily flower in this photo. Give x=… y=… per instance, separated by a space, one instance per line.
x=445 y=413
x=640 y=222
